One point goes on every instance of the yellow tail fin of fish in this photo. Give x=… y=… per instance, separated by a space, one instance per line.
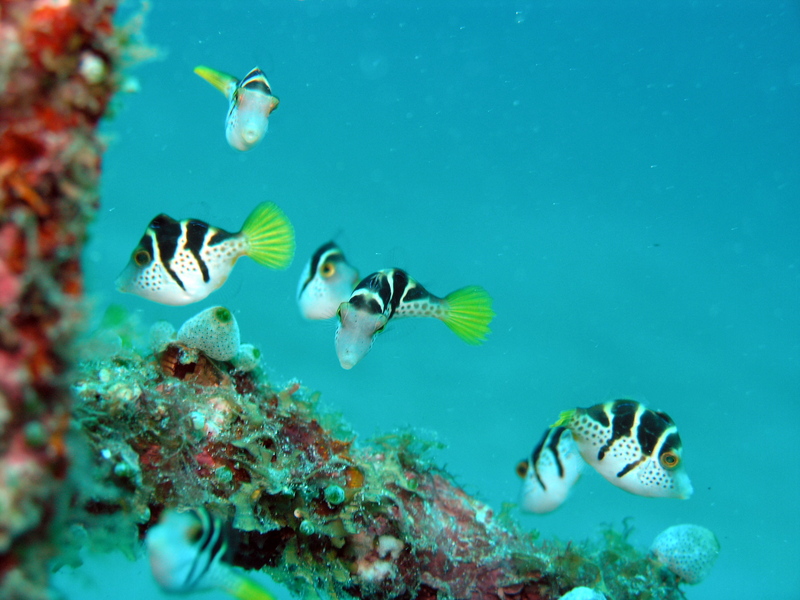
x=244 y=588
x=469 y=312
x=271 y=236
x=564 y=418
x=222 y=81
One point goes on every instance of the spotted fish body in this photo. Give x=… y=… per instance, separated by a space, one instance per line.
x=327 y=281
x=549 y=473
x=181 y=262
x=187 y=552
x=250 y=102
x=633 y=447
x=393 y=294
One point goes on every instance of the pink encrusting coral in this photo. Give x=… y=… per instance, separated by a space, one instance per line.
x=56 y=78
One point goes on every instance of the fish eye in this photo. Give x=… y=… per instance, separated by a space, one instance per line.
x=141 y=257
x=522 y=468
x=327 y=269
x=669 y=460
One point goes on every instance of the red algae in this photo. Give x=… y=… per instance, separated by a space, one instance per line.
x=49 y=169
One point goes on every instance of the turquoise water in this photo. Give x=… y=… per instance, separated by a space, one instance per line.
x=624 y=180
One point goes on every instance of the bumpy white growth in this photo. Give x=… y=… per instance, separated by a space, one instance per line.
x=689 y=551
x=248 y=358
x=214 y=332
x=162 y=334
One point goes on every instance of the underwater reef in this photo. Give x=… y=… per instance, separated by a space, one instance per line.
x=92 y=452
x=319 y=512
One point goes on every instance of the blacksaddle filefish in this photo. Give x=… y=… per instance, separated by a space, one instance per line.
x=180 y=262
x=327 y=281
x=187 y=553
x=393 y=294
x=250 y=102
x=633 y=447
x=549 y=473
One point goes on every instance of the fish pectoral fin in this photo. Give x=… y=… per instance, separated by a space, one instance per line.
x=272 y=104
x=222 y=81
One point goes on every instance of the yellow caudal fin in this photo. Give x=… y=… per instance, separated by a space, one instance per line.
x=222 y=81
x=270 y=236
x=244 y=588
x=468 y=313
x=564 y=418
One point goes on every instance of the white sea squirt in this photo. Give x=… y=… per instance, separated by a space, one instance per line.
x=689 y=551
x=213 y=331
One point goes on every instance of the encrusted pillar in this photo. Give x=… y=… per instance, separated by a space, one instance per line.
x=56 y=78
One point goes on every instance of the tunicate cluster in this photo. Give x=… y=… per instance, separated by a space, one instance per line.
x=689 y=551
x=213 y=331
x=248 y=358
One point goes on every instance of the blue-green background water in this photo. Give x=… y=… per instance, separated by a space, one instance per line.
x=623 y=177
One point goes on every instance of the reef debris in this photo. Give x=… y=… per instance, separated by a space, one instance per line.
x=57 y=75
x=319 y=512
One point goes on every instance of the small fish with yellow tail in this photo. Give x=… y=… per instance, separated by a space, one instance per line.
x=633 y=447
x=187 y=552
x=250 y=102
x=549 y=473
x=327 y=281
x=181 y=262
x=393 y=294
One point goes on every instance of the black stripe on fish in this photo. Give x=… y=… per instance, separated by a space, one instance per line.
x=211 y=544
x=218 y=236
x=624 y=415
x=598 y=413
x=196 y=232
x=651 y=427
x=399 y=283
x=630 y=466
x=672 y=443
x=416 y=292
x=196 y=571
x=316 y=259
x=256 y=81
x=372 y=294
x=537 y=452
x=665 y=416
x=167 y=231
x=555 y=438
x=550 y=439
x=146 y=244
